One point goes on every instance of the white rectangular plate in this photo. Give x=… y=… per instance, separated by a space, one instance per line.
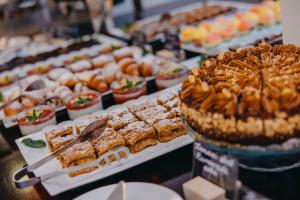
x=63 y=183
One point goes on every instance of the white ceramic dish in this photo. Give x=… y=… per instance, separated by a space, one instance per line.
x=133 y=191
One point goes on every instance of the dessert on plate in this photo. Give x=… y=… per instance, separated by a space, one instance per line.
x=128 y=88
x=83 y=104
x=102 y=60
x=170 y=76
x=80 y=153
x=60 y=136
x=138 y=136
x=19 y=105
x=250 y=96
x=168 y=129
x=108 y=141
x=35 y=119
x=40 y=69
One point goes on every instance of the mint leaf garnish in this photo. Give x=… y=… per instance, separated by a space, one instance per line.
x=82 y=101
x=33 y=143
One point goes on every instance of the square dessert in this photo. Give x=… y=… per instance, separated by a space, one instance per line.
x=169 y=96
x=151 y=111
x=120 y=120
x=138 y=136
x=159 y=116
x=168 y=129
x=141 y=105
x=60 y=136
x=78 y=154
x=174 y=103
x=109 y=140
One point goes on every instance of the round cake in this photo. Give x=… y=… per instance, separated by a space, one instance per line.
x=249 y=97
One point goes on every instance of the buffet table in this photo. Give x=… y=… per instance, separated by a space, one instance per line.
x=154 y=119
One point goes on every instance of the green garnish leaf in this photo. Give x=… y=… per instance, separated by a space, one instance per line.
x=127 y=26
x=82 y=101
x=131 y=84
x=202 y=58
x=114 y=47
x=138 y=83
x=33 y=143
x=145 y=52
x=7 y=78
x=34 y=116
x=177 y=70
x=76 y=58
x=1 y=97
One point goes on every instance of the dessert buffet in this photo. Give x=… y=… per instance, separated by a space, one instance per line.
x=199 y=101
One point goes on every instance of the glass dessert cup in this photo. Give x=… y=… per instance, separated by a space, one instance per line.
x=35 y=119
x=170 y=77
x=83 y=104
x=130 y=89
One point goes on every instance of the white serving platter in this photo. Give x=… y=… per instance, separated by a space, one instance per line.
x=63 y=183
x=118 y=32
x=241 y=40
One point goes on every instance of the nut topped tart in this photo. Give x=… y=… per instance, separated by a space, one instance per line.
x=250 y=96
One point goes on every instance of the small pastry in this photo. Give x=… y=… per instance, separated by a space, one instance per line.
x=85 y=77
x=124 y=52
x=110 y=73
x=24 y=102
x=68 y=79
x=74 y=59
x=97 y=82
x=7 y=78
x=145 y=69
x=63 y=92
x=56 y=73
x=101 y=61
x=129 y=66
x=55 y=101
x=80 y=66
x=40 y=69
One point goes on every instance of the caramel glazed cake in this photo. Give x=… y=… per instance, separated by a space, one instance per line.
x=248 y=97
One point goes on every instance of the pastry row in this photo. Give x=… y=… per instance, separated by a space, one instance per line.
x=173 y=21
x=124 y=70
x=210 y=34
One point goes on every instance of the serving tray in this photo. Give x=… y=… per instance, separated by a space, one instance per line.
x=63 y=183
x=241 y=40
x=121 y=34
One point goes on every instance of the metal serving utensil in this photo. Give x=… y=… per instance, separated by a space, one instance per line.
x=83 y=136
